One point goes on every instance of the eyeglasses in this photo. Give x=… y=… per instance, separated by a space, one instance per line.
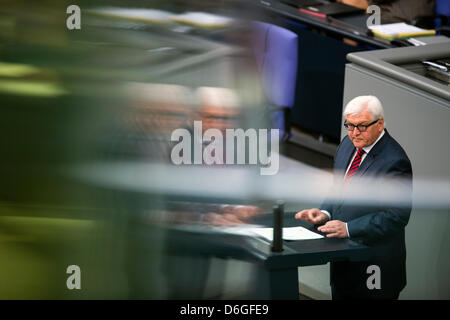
x=361 y=127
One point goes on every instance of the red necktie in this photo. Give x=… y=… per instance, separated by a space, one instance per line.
x=355 y=165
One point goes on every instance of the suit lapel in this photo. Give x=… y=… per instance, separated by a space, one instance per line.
x=348 y=159
x=345 y=156
x=368 y=161
x=371 y=156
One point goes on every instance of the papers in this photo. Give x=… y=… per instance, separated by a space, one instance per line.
x=399 y=30
x=292 y=233
x=416 y=42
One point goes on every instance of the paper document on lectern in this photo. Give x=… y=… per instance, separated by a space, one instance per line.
x=289 y=233
x=292 y=233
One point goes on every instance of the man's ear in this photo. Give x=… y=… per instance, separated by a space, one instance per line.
x=382 y=124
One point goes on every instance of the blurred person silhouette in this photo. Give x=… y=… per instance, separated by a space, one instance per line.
x=397 y=10
x=403 y=10
x=368 y=152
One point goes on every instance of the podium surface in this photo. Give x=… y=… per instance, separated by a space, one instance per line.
x=277 y=272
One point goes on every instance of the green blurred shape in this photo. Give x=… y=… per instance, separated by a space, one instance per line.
x=17 y=70
x=31 y=88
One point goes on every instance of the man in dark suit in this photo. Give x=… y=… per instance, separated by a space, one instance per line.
x=367 y=155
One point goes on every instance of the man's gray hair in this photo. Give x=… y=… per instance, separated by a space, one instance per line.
x=358 y=104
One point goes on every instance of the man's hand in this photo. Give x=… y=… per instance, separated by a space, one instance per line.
x=314 y=216
x=232 y=215
x=217 y=219
x=243 y=213
x=335 y=229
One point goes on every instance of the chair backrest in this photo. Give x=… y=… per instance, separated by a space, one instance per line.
x=443 y=8
x=276 y=51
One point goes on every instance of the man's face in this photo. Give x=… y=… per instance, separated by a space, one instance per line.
x=364 y=139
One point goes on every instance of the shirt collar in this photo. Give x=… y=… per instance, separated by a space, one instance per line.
x=368 y=148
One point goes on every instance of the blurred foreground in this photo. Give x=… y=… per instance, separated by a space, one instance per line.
x=87 y=170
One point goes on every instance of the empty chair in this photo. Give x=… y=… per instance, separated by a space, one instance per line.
x=443 y=12
x=276 y=51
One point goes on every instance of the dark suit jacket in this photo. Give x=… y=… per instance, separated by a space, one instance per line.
x=378 y=225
